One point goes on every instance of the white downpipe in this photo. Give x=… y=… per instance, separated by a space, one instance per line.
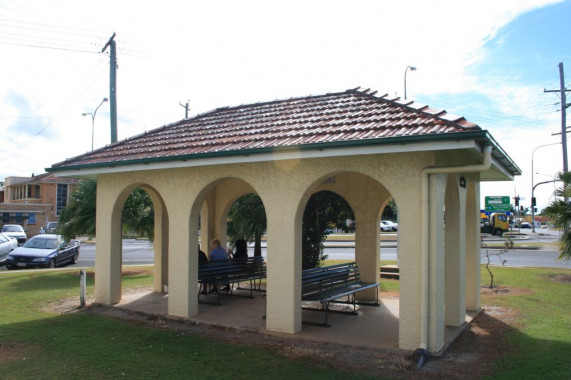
x=486 y=163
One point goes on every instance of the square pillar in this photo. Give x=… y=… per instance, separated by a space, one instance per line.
x=367 y=243
x=183 y=265
x=160 y=247
x=455 y=257
x=283 y=296
x=436 y=247
x=108 y=254
x=473 y=244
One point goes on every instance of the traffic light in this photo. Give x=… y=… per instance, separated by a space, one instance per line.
x=533 y=201
x=516 y=201
x=535 y=209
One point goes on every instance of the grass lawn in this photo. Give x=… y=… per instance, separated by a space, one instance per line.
x=40 y=344
x=540 y=345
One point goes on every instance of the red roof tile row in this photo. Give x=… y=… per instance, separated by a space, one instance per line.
x=353 y=115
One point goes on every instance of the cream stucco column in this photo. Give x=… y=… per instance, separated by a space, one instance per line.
x=408 y=201
x=455 y=257
x=283 y=296
x=437 y=186
x=207 y=229
x=183 y=262
x=473 y=256
x=160 y=247
x=108 y=249
x=367 y=244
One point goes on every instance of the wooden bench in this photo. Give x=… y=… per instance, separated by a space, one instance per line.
x=328 y=284
x=220 y=273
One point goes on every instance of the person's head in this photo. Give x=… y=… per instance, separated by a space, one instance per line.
x=215 y=243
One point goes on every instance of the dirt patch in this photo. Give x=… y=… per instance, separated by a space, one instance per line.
x=559 y=277
x=470 y=357
x=11 y=351
x=504 y=290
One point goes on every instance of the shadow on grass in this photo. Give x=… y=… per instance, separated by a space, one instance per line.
x=493 y=348
x=90 y=346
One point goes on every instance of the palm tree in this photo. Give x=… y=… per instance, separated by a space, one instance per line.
x=78 y=218
x=138 y=214
x=247 y=220
x=560 y=212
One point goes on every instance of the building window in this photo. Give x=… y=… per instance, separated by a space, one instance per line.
x=29 y=189
x=61 y=198
x=37 y=192
x=31 y=218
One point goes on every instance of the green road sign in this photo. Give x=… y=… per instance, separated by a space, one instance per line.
x=498 y=204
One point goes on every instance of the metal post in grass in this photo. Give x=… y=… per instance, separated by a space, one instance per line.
x=82 y=286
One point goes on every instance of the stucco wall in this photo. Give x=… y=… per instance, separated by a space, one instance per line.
x=367 y=182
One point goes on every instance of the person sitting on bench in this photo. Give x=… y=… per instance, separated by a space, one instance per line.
x=241 y=249
x=218 y=253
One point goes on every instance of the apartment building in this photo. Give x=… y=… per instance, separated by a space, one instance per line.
x=34 y=201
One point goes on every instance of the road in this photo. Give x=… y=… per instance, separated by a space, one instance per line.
x=138 y=252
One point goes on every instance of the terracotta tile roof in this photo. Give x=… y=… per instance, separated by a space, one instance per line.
x=352 y=115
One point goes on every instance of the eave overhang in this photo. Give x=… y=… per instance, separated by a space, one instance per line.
x=503 y=167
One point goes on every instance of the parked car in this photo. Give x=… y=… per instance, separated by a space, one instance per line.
x=50 y=228
x=47 y=251
x=7 y=245
x=387 y=225
x=16 y=231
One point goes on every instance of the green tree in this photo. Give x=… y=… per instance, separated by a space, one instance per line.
x=560 y=213
x=247 y=220
x=78 y=218
x=139 y=215
x=324 y=210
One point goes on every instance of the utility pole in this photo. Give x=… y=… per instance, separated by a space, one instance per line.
x=186 y=108
x=563 y=94
x=112 y=85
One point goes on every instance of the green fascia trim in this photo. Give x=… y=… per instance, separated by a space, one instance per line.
x=481 y=136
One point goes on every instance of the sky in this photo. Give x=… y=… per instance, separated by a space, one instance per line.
x=489 y=61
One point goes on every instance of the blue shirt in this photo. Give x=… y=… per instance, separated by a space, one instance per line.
x=218 y=253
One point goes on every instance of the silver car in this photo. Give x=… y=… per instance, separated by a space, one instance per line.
x=7 y=245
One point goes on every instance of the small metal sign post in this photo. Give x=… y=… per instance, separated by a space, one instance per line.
x=82 y=286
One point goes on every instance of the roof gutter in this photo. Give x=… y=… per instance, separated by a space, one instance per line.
x=424 y=302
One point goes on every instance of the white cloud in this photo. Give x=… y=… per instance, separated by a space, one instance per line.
x=227 y=53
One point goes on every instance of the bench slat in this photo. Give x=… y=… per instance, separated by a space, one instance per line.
x=327 y=284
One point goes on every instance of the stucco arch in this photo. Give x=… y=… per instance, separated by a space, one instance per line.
x=367 y=198
x=213 y=203
x=109 y=266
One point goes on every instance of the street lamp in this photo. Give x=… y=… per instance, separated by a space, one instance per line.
x=532 y=184
x=93 y=119
x=412 y=68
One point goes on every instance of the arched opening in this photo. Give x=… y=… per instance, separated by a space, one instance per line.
x=367 y=200
x=211 y=218
x=246 y=221
x=325 y=211
x=140 y=223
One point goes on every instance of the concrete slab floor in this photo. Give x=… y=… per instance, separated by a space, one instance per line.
x=372 y=327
